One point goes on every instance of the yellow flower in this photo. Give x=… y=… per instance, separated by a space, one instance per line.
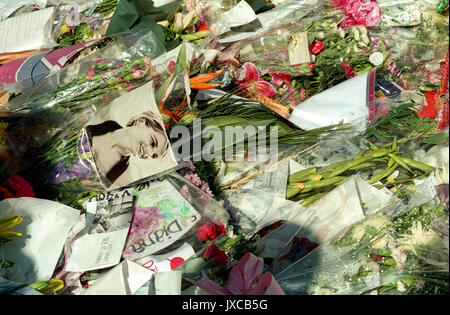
x=64 y=29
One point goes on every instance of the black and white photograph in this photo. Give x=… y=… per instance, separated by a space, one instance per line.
x=113 y=215
x=128 y=139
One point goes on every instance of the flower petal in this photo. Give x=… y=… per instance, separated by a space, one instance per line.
x=265 y=88
x=244 y=273
x=250 y=73
x=280 y=78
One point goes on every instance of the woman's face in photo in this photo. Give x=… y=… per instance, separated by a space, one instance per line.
x=145 y=142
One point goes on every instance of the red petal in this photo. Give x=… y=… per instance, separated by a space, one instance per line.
x=251 y=73
x=265 y=88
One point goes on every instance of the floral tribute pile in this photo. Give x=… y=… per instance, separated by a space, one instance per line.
x=225 y=147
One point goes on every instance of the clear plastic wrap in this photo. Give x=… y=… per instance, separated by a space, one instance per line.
x=45 y=124
x=395 y=251
x=414 y=54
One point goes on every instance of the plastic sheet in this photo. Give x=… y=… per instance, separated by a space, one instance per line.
x=391 y=252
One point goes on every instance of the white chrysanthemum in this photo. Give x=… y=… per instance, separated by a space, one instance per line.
x=438 y=157
x=401 y=286
x=377 y=222
x=419 y=237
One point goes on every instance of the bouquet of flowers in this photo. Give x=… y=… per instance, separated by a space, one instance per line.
x=395 y=251
x=81 y=23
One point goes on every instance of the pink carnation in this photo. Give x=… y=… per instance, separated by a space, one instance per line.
x=90 y=74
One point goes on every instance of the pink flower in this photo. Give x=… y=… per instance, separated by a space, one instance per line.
x=250 y=80
x=147 y=61
x=119 y=66
x=100 y=61
x=348 y=70
x=246 y=278
x=103 y=74
x=112 y=71
x=90 y=74
x=281 y=78
x=359 y=12
x=137 y=73
x=128 y=84
x=119 y=79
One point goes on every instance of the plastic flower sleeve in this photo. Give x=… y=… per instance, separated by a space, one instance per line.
x=413 y=64
x=76 y=103
x=126 y=61
x=386 y=253
x=170 y=212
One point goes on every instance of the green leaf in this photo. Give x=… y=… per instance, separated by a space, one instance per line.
x=440 y=138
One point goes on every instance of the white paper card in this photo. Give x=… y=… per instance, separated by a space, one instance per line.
x=124 y=279
x=97 y=251
x=26 y=32
x=168 y=283
x=45 y=227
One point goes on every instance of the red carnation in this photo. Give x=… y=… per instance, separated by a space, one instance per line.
x=209 y=231
x=171 y=67
x=20 y=186
x=203 y=27
x=214 y=252
x=316 y=47
x=5 y=193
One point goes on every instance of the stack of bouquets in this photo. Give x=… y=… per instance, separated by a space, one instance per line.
x=301 y=59
x=402 y=250
x=45 y=123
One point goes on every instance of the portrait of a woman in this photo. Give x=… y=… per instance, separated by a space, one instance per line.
x=113 y=146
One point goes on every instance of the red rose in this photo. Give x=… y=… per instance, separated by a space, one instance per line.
x=209 y=231
x=213 y=252
x=20 y=186
x=316 y=47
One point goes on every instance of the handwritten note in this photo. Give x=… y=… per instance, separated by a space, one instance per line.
x=26 y=32
x=161 y=217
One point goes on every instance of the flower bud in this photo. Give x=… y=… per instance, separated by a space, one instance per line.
x=188 y=19
x=187 y=119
